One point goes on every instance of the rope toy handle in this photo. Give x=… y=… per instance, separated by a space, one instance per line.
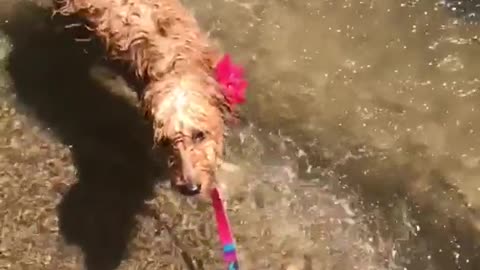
x=224 y=231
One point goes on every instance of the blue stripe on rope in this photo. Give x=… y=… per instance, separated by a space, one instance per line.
x=229 y=248
x=233 y=266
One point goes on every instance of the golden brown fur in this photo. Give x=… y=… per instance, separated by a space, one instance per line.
x=166 y=49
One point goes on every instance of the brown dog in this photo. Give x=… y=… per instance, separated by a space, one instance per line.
x=162 y=42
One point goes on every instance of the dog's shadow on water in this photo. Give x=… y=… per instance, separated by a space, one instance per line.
x=111 y=142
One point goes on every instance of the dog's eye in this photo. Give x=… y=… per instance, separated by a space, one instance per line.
x=198 y=136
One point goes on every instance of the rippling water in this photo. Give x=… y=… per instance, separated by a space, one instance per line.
x=360 y=146
x=380 y=96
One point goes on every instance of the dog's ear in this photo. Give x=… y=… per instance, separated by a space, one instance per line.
x=229 y=114
x=232 y=118
x=211 y=58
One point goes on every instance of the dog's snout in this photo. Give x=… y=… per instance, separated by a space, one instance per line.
x=194 y=187
x=193 y=168
x=188 y=173
x=190 y=189
x=190 y=184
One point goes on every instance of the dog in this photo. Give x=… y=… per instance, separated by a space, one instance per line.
x=190 y=91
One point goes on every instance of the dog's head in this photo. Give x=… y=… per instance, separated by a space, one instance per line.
x=189 y=114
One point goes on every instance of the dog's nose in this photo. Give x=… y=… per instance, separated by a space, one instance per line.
x=190 y=189
x=194 y=187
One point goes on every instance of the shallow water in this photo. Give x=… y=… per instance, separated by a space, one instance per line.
x=379 y=95
x=360 y=148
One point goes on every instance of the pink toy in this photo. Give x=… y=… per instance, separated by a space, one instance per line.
x=231 y=78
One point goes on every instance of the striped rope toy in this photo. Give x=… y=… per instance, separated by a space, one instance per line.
x=224 y=231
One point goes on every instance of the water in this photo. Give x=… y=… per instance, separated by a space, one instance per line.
x=360 y=146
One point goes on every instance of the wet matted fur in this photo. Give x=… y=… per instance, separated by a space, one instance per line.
x=168 y=52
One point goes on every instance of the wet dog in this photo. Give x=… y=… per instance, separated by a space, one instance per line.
x=168 y=52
